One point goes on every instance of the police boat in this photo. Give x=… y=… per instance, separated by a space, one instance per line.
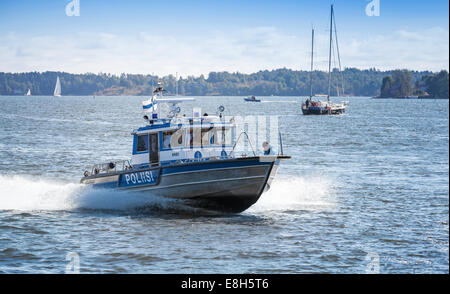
x=190 y=158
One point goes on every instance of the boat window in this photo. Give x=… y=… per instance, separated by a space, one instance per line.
x=221 y=136
x=174 y=138
x=214 y=137
x=194 y=137
x=142 y=143
x=206 y=136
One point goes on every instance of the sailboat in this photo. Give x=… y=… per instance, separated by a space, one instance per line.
x=57 y=92
x=28 y=93
x=318 y=107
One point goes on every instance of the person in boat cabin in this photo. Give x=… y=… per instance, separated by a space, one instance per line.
x=268 y=150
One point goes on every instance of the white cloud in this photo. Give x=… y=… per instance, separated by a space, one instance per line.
x=245 y=50
x=424 y=50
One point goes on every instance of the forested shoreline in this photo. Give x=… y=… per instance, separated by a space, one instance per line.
x=279 y=82
x=400 y=85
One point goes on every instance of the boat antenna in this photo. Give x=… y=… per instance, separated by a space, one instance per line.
x=176 y=84
x=159 y=89
x=158 y=92
x=329 y=56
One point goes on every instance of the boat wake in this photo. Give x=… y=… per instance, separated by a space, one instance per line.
x=296 y=193
x=26 y=193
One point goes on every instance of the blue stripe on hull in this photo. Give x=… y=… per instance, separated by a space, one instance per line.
x=206 y=166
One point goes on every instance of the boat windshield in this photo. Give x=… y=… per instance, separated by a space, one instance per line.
x=173 y=138
x=208 y=137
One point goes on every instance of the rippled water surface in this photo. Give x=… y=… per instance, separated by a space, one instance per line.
x=364 y=191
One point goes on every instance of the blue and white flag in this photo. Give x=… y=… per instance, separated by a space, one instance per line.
x=150 y=105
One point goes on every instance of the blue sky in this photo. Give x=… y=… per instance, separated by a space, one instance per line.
x=196 y=37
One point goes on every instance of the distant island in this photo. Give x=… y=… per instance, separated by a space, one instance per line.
x=279 y=82
x=400 y=85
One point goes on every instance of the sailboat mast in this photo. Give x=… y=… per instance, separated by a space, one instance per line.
x=329 y=56
x=339 y=56
x=312 y=63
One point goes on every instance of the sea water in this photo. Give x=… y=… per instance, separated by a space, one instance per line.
x=364 y=192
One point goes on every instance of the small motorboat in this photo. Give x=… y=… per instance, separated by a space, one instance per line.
x=252 y=99
x=189 y=158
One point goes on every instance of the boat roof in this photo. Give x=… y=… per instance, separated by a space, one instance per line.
x=165 y=124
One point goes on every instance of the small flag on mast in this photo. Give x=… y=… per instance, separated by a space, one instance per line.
x=150 y=105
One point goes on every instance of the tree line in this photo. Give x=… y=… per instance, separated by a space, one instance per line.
x=400 y=84
x=279 y=82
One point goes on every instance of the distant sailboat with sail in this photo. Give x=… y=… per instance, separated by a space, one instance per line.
x=325 y=107
x=28 y=93
x=57 y=92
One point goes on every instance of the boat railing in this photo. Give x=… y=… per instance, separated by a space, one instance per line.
x=237 y=141
x=279 y=143
x=108 y=167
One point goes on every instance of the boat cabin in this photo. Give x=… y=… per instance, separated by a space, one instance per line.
x=179 y=140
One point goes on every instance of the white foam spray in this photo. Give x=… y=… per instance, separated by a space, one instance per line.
x=26 y=193
x=29 y=193
x=297 y=193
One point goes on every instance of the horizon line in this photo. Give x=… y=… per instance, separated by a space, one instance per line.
x=234 y=72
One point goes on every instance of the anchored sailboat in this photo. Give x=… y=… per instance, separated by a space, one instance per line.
x=57 y=92
x=321 y=107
